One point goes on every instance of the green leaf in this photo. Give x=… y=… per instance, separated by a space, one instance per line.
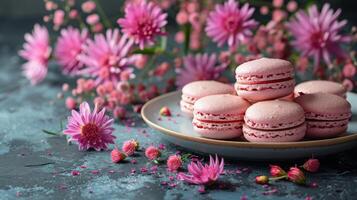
x=49 y=132
x=187 y=33
x=146 y=51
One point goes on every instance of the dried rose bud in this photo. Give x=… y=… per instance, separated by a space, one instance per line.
x=117 y=156
x=312 y=165
x=276 y=171
x=262 y=180
x=296 y=175
x=165 y=111
x=129 y=147
x=174 y=162
x=152 y=153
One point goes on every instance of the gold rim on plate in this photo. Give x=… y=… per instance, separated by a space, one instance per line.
x=241 y=144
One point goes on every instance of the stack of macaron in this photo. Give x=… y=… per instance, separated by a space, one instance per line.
x=265 y=105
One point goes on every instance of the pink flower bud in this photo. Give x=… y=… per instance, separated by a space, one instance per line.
x=152 y=153
x=312 y=165
x=349 y=70
x=278 y=3
x=73 y=14
x=182 y=18
x=71 y=103
x=117 y=156
x=276 y=171
x=88 y=6
x=141 y=61
x=174 y=162
x=296 y=175
x=119 y=112
x=58 y=18
x=262 y=180
x=92 y=19
x=130 y=146
x=165 y=111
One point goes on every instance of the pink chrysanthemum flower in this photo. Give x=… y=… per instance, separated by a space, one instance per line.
x=37 y=46
x=69 y=47
x=34 y=71
x=106 y=57
x=36 y=51
x=200 y=174
x=317 y=33
x=199 y=67
x=231 y=24
x=143 y=22
x=90 y=129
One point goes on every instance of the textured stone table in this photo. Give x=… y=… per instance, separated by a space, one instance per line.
x=34 y=165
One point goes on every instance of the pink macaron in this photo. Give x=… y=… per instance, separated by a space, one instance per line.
x=198 y=89
x=317 y=86
x=274 y=121
x=327 y=115
x=219 y=116
x=264 y=79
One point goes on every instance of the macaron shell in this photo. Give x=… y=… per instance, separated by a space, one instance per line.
x=320 y=86
x=200 y=89
x=186 y=108
x=322 y=104
x=287 y=135
x=325 y=129
x=218 y=117
x=261 y=92
x=221 y=104
x=274 y=114
x=264 y=69
x=226 y=131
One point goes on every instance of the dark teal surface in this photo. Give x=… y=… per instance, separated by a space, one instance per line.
x=26 y=110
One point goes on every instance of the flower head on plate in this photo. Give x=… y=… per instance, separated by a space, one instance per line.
x=206 y=174
x=231 y=24
x=143 y=22
x=317 y=33
x=90 y=129
x=199 y=67
x=68 y=48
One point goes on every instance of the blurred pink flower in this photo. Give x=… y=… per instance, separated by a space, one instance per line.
x=88 y=6
x=264 y=10
x=279 y=15
x=348 y=84
x=182 y=18
x=37 y=46
x=143 y=22
x=58 y=18
x=34 y=71
x=90 y=129
x=152 y=153
x=199 y=67
x=106 y=56
x=36 y=51
x=70 y=103
x=200 y=174
x=317 y=33
x=50 y=5
x=349 y=70
x=231 y=24
x=68 y=48
x=73 y=14
x=278 y=3
x=92 y=19
x=292 y=6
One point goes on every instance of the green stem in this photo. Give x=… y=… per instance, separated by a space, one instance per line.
x=105 y=18
x=278 y=178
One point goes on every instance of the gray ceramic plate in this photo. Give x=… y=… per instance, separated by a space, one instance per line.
x=178 y=130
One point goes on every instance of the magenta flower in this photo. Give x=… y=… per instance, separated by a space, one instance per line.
x=231 y=24
x=199 y=67
x=143 y=22
x=69 y=47
x=36 y=51
x=200 y=174
x=317 y=33
x=90 y=129
x=106 y=57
